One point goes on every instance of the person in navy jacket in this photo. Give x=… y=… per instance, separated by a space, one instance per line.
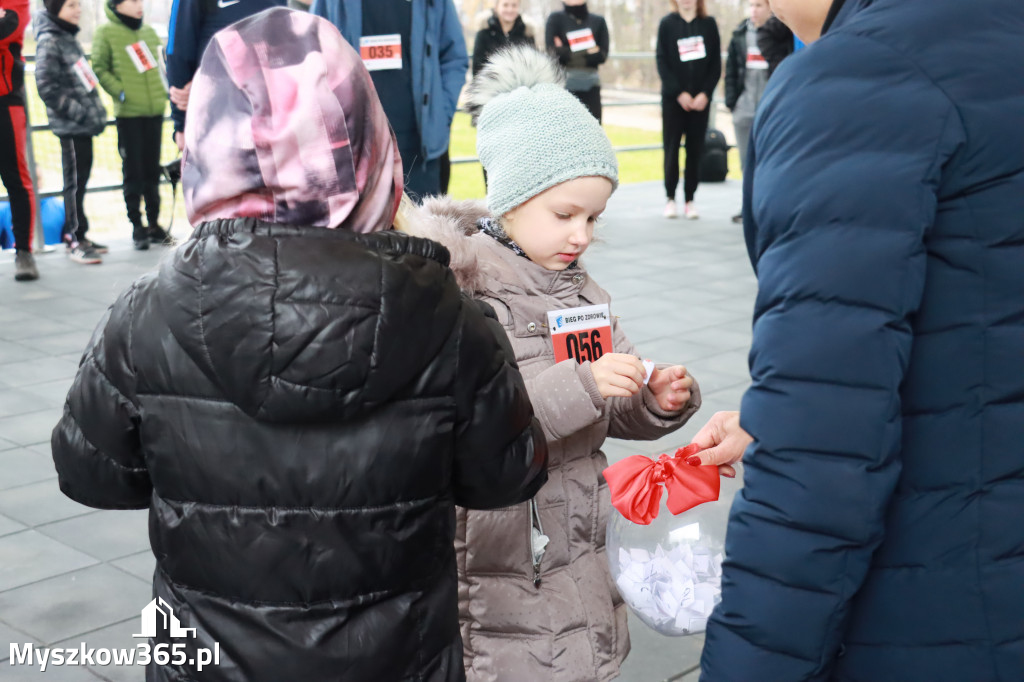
x=192 y=24
x=421 y=90
x=878 y=537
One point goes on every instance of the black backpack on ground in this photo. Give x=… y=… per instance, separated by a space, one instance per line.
x=714 y=164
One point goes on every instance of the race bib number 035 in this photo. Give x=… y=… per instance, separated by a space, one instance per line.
x=381 y=53
x=582 y=334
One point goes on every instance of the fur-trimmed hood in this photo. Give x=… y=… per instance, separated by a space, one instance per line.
x=451 y=223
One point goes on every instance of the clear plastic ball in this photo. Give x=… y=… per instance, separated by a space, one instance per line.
x=670 y=572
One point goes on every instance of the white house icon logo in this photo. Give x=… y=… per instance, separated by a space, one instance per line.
x=159 y=608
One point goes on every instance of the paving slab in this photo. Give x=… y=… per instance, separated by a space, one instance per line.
x=684 y=291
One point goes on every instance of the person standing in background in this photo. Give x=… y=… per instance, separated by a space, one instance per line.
x=689 y=58
x=192 y=24
x=746 y=74
x=125 y=53
x=68 y=87
x=504 y=27
x=578 y=38
x=417 y=58
x=776 y=42
x=14 y=173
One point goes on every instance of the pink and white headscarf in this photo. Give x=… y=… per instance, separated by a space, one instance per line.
x=284 y=125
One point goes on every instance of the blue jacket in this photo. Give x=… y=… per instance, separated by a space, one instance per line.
x=439 y=61
x=192 y=24
x=880 y=533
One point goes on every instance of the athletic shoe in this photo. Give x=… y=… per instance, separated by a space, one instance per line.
x=98 y=248
x=670 y=209
x=691 y=211
x=85 y=255
x=25 y=267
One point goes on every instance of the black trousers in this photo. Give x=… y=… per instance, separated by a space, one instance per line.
x=15 y=175
x=675 y=123
x=138 y=142
x=76 y=159
x=591 y=100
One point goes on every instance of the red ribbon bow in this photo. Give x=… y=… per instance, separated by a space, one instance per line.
x=635 y=484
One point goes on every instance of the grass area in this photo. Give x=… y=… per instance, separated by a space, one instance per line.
x=468 y=181
x=107 y=213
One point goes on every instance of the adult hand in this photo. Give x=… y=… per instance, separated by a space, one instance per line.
x=179 y=139
x=2 y=13
x=593 y=50
x=685 y=101
x=723 y=442
x=179 y=96
x=670 y=387
x=700 y=102
x=618 y=375
x=558 y=41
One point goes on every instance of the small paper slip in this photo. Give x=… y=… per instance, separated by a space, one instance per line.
x=691 y=49
x=85 y=74
x=381 y=53
x=756 y=60
x=141 y=56
x=580 y=40
x=583 y=334
x=648 y=369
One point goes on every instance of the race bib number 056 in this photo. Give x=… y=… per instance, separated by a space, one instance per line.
x=582 y=334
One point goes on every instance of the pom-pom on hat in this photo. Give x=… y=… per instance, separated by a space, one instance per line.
x=533 y=134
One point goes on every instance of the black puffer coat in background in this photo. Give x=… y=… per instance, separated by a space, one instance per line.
x=492 y=38
x=301 y=409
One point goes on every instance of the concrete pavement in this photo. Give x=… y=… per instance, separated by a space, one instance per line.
x=684 y=291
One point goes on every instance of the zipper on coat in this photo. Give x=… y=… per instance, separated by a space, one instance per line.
x=537 y=542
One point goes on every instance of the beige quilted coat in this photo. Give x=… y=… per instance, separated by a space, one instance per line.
x=561 y=620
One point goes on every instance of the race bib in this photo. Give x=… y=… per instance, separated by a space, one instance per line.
x=85 y=74
x=381 y=53
x=756 y=60
x=580 y=40
x=581 y=334
x=691 y=49
x=141 y=57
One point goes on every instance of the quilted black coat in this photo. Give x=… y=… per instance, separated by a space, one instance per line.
x=301 y=409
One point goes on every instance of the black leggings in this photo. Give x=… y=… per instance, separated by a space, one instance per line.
x=76 y=159
x=15 y=175
x=676 y=122
x=138 y=142
x=591 y=100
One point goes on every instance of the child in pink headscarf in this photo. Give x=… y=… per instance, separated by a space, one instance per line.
x=298 y=397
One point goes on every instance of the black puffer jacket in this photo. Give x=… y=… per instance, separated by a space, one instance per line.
x=62 y=74
x=491 y=38
x=301 y=409
x=736 y=65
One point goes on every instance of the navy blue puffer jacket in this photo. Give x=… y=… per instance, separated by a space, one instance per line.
x=880 y=533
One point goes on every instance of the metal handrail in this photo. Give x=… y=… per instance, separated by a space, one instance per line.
x=30 y=59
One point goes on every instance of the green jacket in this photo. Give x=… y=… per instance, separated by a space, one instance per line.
x=144 y=93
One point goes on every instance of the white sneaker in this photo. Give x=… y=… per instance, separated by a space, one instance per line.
x=691 y=211
x=670 y=209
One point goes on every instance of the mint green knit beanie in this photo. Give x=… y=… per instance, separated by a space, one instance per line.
x=532 y=133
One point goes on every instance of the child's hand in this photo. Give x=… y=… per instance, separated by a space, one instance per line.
x=618 y=375
x=671 y=387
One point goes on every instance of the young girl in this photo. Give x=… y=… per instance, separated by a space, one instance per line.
x=536 y=601
x=67 y=85
x=689 y=60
